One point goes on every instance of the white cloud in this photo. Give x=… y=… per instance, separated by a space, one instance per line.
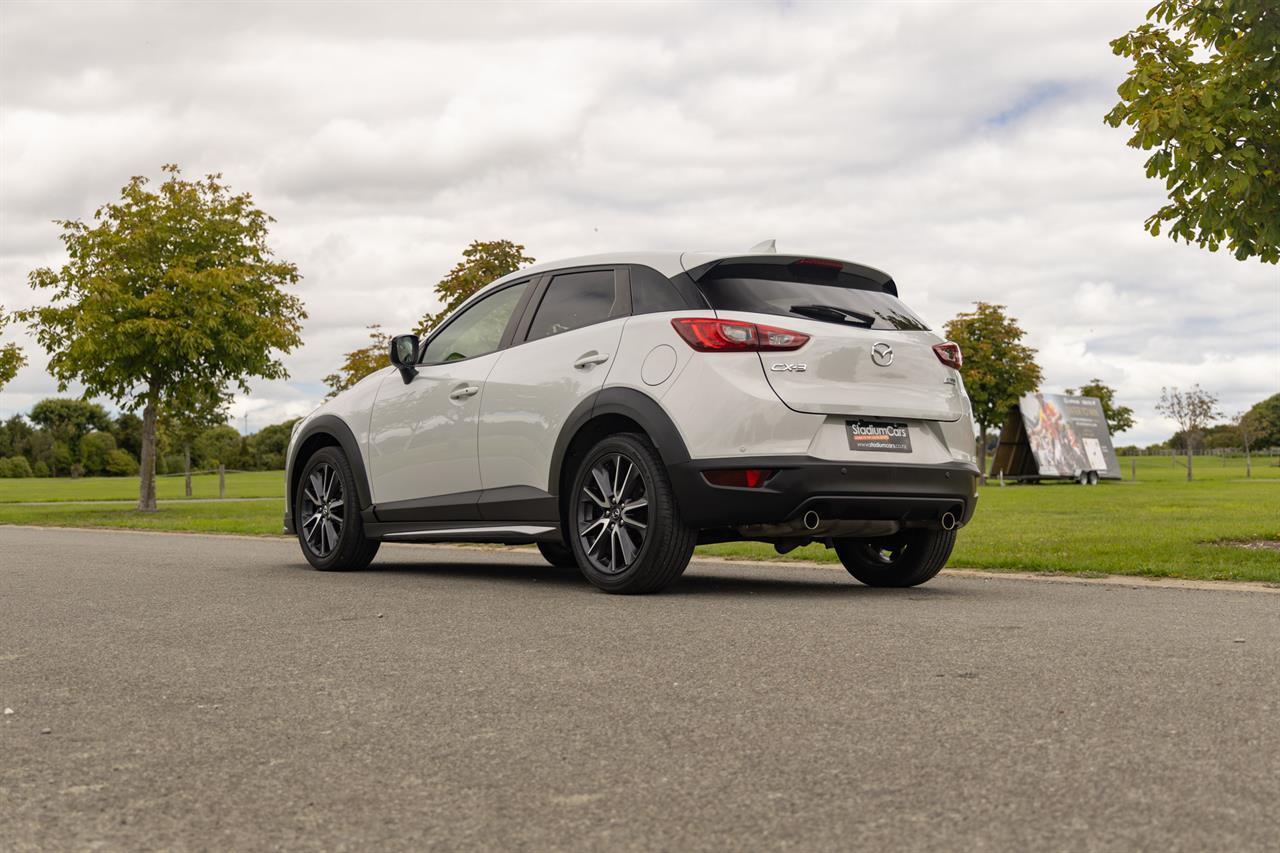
x=959 y=146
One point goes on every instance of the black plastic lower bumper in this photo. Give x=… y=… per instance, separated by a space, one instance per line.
x=864 y=491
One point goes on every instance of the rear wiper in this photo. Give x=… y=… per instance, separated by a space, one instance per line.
x=831 y=312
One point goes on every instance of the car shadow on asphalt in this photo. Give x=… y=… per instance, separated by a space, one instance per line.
x=694 y=582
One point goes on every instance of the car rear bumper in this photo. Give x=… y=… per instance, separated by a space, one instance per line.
x=911 y=494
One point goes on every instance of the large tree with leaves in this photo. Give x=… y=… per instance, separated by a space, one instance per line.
x=1119 y=418
x=1204 y=96
x=998 y=368
x=69 y=420
x=169 y=294
x=11 y=358
x=483 y=262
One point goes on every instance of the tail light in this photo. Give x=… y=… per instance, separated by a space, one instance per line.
x=742 y=478
x=707 y=334
x=949 y=354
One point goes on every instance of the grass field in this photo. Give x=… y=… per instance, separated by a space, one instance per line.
x=248 y=484
x=1158 y=525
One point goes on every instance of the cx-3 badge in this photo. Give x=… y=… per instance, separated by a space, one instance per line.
x=882 y=354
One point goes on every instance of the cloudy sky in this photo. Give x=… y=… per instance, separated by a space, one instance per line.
x=960 y=146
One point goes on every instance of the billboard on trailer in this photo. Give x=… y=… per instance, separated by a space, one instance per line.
x=1068 y=435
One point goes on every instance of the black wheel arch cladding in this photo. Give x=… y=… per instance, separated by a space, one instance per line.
x=335 y=429
x=625 y=402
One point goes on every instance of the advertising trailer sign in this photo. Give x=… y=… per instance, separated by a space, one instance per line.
x=1068 y=435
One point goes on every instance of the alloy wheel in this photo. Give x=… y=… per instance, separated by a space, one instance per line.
x=613 y=513
x=323 y=510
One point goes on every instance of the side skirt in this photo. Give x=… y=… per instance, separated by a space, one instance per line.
x=504 y=533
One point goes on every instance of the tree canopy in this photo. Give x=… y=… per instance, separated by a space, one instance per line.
x=1262 y=421
x=998 y=368
x=1119 y=418
x=70 y=419
x=11 y=358
x=168 y=295
x=1202 y=96
x=483 y=262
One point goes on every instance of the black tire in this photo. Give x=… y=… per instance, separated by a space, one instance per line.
x=558 y=555
x=908 y=558
x=327 y=515
x=660 y=543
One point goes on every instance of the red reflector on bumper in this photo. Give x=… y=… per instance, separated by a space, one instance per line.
x=742 y=478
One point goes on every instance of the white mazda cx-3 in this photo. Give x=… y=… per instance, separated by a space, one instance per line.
x=618 y=410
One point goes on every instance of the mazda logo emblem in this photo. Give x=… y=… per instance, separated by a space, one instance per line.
x=882 y=354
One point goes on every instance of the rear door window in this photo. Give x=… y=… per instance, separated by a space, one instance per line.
x=816 y=294
x=574 y=300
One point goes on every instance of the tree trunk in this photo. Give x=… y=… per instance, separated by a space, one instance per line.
x=186 y=465
x=982 y=455
x=147 y=486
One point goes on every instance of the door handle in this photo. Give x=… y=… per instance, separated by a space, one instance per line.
x=589 y=359
x=464 y=391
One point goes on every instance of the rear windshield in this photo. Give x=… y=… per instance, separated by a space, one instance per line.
x=815 y=294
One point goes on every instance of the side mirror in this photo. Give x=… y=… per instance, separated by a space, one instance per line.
x=404 y=355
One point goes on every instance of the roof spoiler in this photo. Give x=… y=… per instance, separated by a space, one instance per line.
x=772 y=258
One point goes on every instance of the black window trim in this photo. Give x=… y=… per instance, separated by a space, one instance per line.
x=694 y=299
x=507 y=334
x=621 y=297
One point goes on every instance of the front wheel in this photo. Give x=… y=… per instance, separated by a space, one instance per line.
x=327 y=515
x=907 y=558
x=623 y=523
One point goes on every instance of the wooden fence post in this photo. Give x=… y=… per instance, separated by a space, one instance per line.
x=222 y=481
x=1133 y=468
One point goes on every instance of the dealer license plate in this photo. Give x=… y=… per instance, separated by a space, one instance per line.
x=878 y=435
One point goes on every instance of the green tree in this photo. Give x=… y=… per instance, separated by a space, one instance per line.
x=1203 y=94
x=483 y=262
x=94 y=449
x=1193 y=410
x=998 y=368
x=1119 y=418
x=265 y=449
x=68 y=420
x=218 y=445
x=15 y=466
x=120 y=464
x=127 y=429
x=167 y=295
x=1263 y=422
x=11 y=358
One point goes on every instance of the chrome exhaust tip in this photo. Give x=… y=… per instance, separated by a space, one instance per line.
x=810 y=520
x=949 y=521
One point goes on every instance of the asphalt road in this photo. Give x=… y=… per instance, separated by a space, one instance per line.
x=215 y=693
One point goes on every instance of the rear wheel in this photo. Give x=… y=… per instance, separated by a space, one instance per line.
x=907 y=558
x=625 y=528
x=327 y=515
x=558 y=555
